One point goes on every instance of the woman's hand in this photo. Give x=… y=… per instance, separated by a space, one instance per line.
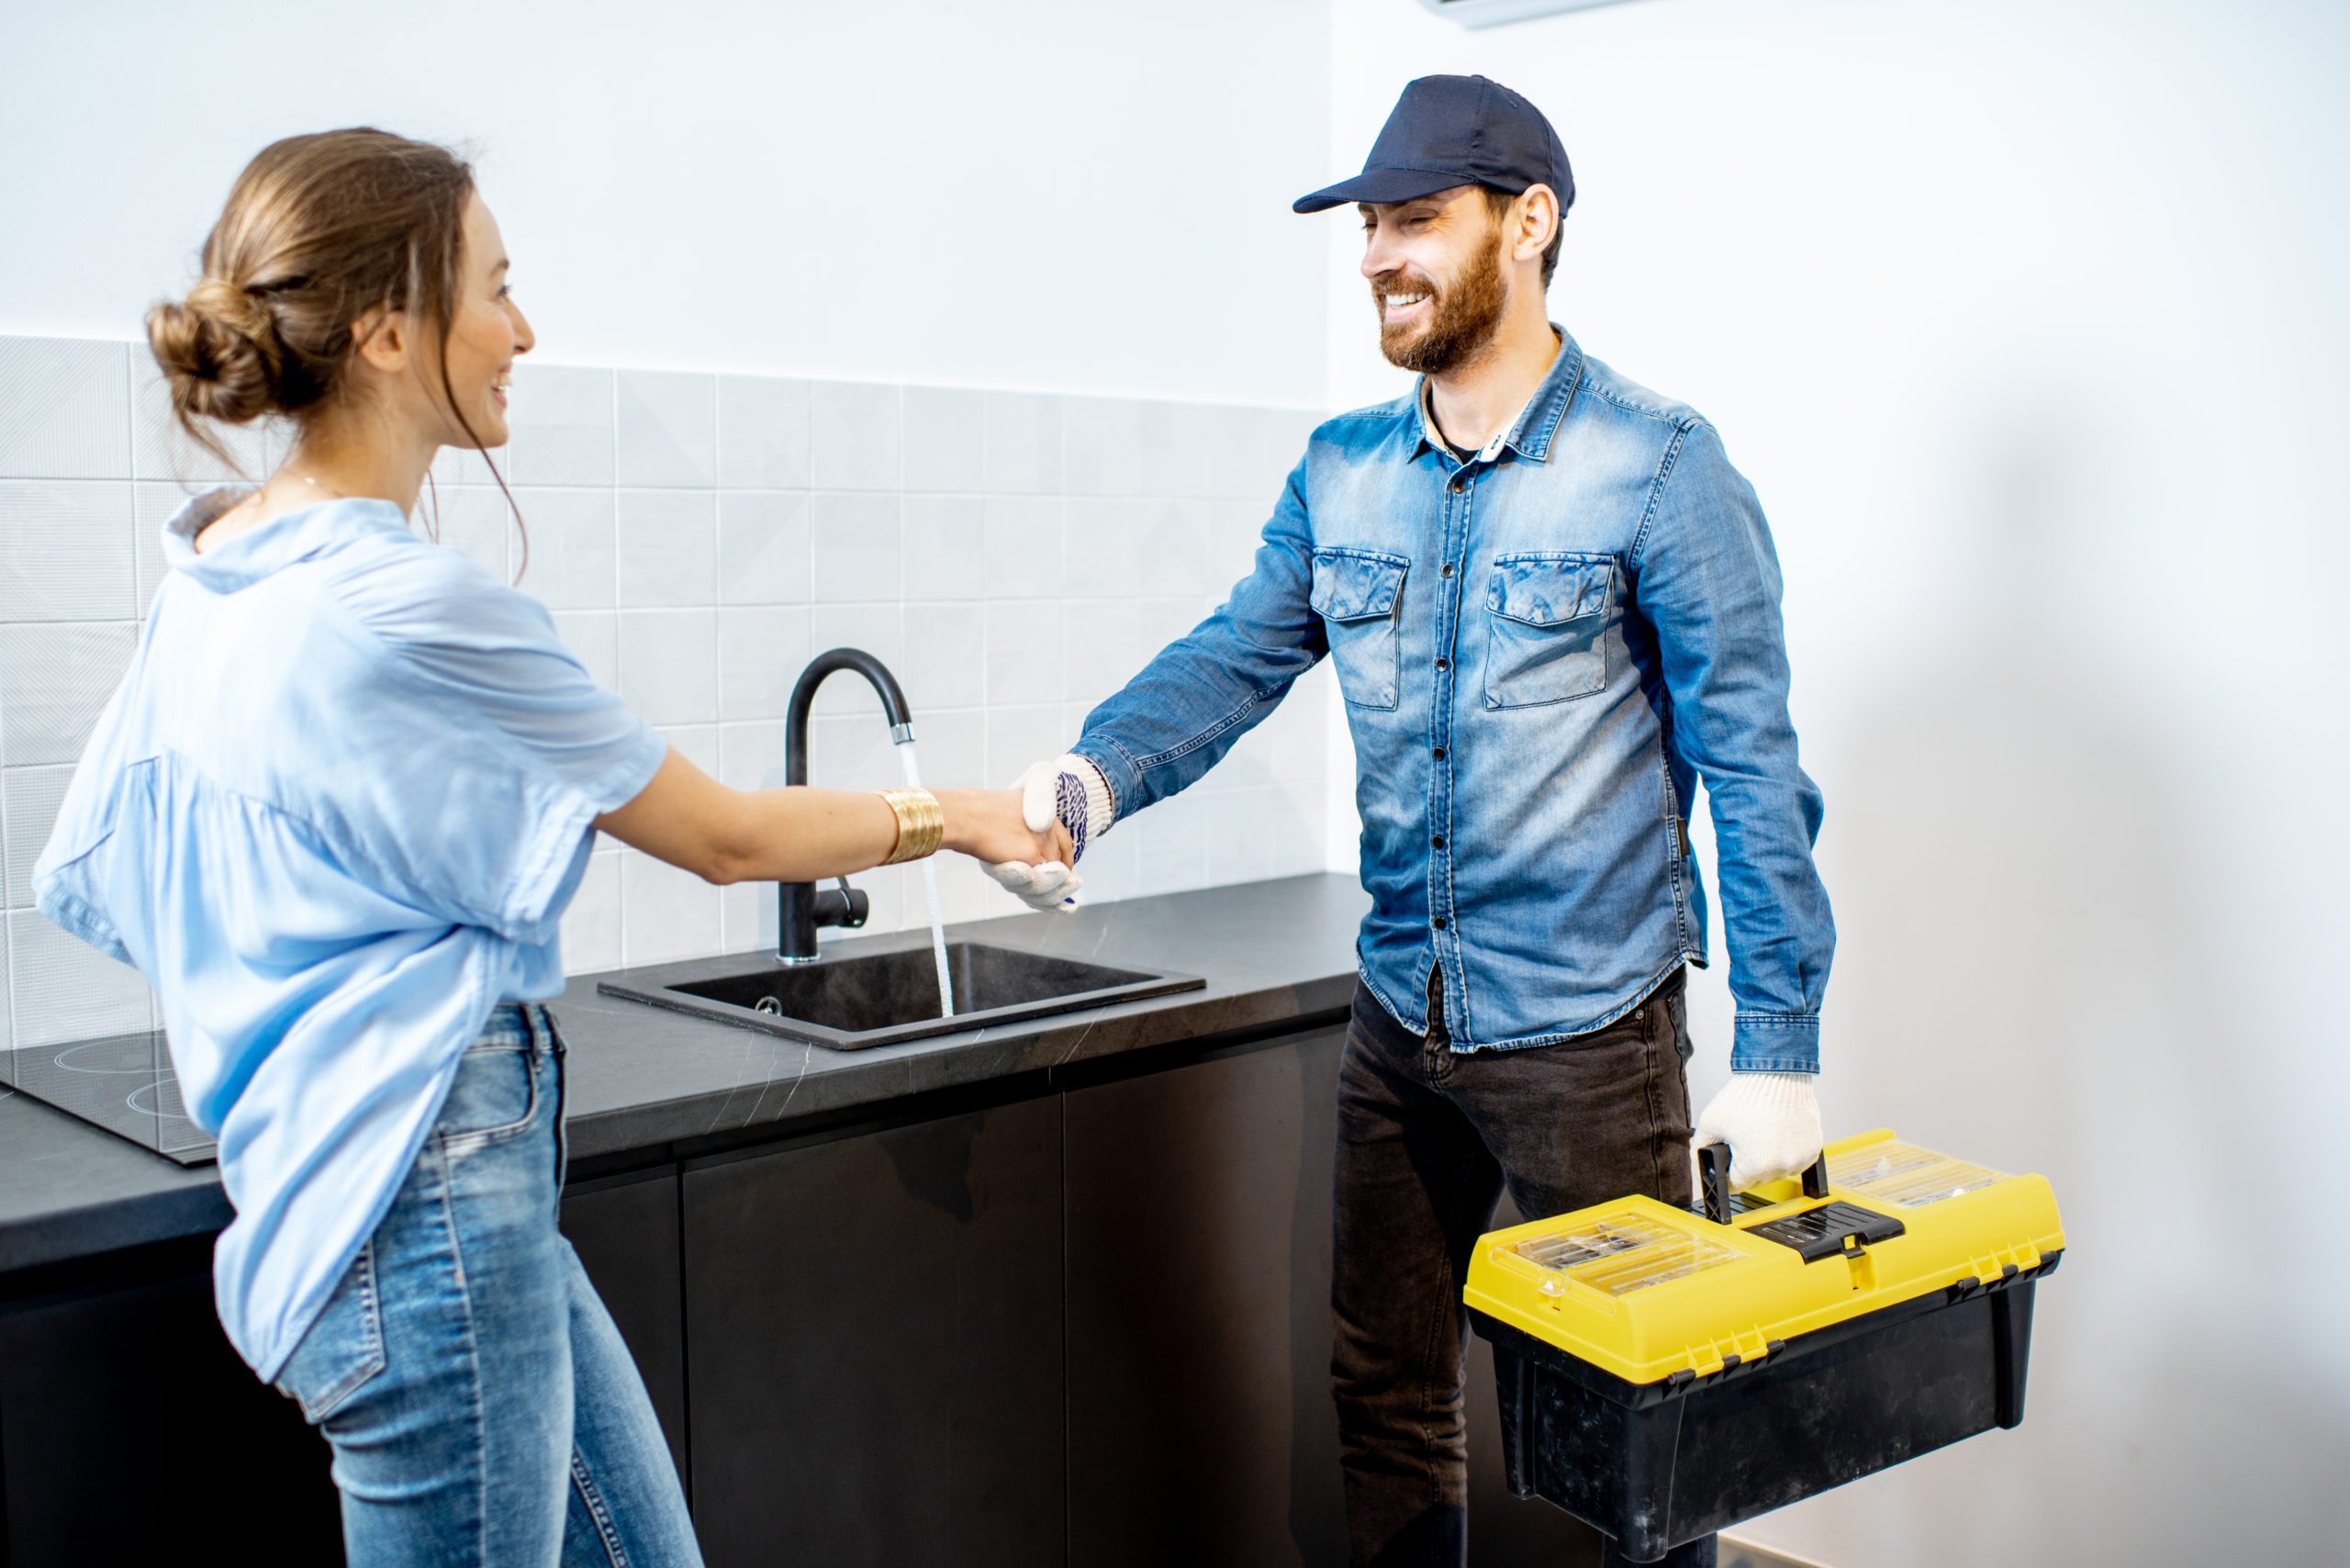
x=987 y=825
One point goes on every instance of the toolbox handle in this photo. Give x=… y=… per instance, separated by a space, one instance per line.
x=1713 y=1179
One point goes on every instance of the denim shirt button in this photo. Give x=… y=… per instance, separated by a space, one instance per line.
x=1438 y=922
x=1438 y=753
x=1443 y=665
x=1438 y=840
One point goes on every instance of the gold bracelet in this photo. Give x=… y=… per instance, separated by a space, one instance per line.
x=920 y=824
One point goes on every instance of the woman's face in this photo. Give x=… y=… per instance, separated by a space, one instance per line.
x=486 y=329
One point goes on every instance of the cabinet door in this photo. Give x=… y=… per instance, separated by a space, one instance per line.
x=625 y=1230
x=1505 y=1531
x=1201 y=1423
x=874 y=1334
x=129 y=1430
x=1201 y=1427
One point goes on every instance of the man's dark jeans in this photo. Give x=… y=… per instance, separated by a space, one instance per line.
x=1425 y=1141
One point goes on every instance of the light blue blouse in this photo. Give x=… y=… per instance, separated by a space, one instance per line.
x=333 y=814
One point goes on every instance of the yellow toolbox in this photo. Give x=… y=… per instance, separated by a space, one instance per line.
x=1665 y=1374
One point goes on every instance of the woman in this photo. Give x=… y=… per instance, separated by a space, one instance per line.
x=335 y=814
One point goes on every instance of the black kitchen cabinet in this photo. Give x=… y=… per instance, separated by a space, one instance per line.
x=625 y=1230
x=129 y=1429
x=1201 y=1427
x=1504 y=1531
x=874 y=1336
x=1201 y=1423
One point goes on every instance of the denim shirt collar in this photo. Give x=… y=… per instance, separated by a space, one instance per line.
x=1529 y=435
x=251 y=556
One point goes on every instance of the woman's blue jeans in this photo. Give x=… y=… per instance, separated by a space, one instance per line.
x=481 y=1405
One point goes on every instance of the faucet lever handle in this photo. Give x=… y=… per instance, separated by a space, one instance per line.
x=849 y=908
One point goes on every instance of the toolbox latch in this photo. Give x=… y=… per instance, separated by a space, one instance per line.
x=1832 y=1230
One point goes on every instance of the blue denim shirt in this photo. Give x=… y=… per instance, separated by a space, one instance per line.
x=1542 y=650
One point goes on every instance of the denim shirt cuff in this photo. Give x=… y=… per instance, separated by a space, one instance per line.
x=1122 y=779
x=1776 y=1042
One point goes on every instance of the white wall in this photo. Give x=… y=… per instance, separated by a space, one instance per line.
x=2026 y=319
x=1054 y=195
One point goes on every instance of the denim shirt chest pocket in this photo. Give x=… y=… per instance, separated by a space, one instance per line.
x=1359 y=595
x=1547 y=617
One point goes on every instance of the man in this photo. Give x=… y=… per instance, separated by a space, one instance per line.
x=1554 y=606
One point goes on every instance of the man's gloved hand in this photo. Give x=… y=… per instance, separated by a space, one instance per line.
x=1771 y=1122
x=1070 y=789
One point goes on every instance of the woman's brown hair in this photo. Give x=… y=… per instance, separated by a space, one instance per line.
x=318 y=230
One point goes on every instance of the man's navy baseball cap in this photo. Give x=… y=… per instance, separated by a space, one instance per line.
x=1455 y=131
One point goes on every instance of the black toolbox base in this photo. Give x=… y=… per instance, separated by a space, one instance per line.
x=1657 y=1465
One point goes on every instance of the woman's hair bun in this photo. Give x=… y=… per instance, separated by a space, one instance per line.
x=219 y=348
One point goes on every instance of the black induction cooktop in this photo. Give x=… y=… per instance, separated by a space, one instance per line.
x=121 y=1082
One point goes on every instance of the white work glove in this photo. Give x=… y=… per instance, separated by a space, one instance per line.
x=1071 y=789
x=1771 y=1122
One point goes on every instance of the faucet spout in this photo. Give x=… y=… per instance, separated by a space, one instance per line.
x=799 y=909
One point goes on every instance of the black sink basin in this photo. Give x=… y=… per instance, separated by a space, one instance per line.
x=855 y=1000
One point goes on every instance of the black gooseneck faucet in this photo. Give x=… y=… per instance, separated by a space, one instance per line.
x=799 y=908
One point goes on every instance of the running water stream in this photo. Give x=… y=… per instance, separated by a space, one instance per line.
x=930 y=889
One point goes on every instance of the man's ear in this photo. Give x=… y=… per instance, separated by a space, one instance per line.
x=1537 y=219
x=382 y=339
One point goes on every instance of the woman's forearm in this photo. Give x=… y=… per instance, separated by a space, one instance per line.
x=795 y=835
x=802 y=835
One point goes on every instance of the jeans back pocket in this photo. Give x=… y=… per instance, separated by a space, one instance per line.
x=1360 y=596
x=1546 y=619
x=344 y=1348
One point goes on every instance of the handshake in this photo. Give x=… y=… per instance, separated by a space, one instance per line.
x=1072 y=798
x=1067 y=793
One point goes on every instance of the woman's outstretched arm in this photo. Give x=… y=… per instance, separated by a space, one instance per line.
x=802 y=835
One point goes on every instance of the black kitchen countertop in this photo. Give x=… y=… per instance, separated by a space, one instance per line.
x=643 y=1080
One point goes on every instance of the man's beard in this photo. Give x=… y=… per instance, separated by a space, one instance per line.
x=1461 y=317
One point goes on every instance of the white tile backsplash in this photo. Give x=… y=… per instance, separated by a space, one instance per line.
x=763 y=551
x=63 y=989
x=761 y=434
x=477 y=521
x=855 y=435
x=670 y=664
x=947 y=652
x=1024 y=651
x=668 y=548
x=562 y=425
x=65 y=408
x=66 y=550
x=1012 y=556
x=945 y=437
x=1102 y=550
x=28 y=801
x=945 y=547
x=55 y=678
x=1023 y=444
x=666 y=912
x=571 y=548
x=761 y=649
x=591 y=925
x=1023 y=541
x=859 y=544
x=665 y=429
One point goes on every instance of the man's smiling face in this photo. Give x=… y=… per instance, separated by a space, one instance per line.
x=1434 y=267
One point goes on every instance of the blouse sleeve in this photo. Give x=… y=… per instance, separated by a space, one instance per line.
x=509 y=750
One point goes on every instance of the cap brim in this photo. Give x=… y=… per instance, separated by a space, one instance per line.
x=1380 y=186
